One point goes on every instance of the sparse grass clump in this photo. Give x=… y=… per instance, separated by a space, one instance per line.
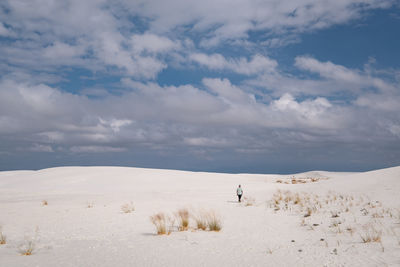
x=208 y=220
x=3 y=238
x=89 y=205
x=29 y=244
x=201 y=220
x=45 y=203
x=371 y=234
x=204 y=220
x=183 y=219
x=213 y=222
x=161 y=222
x=294 y=180
x=27 y=248
x=128 y=207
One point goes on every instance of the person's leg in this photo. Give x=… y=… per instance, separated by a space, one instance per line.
x=240 y=196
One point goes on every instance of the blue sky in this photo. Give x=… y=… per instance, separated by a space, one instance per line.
x=227 y=86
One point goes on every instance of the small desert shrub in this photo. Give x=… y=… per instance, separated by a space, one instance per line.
x=162 y=223
x=89 y=205
x=45 y=203
x=3 y=238
x=127 y=207
x=183 y=219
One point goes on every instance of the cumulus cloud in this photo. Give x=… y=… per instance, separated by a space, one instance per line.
x=86 y=35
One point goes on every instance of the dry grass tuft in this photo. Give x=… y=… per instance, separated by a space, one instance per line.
x=371 y=234
x=335 y=214
x=27 y=248
x=29 y=245
x=183 y=219
x=89 y=205
x=44 y=203
x=201 y=220
x=208 y=220
x=308 y=212
x=162 y=223
x=3 y=238
x=128 y=207
x=213 y=222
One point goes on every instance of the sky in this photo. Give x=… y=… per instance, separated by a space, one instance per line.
x=215 y=85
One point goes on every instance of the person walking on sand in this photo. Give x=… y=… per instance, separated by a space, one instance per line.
x=239 y=192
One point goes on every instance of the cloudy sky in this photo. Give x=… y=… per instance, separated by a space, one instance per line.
x=215 y=85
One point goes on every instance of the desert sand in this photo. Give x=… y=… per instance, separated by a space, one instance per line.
x=74 y=216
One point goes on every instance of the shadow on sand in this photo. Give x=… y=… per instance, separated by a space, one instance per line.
x=149 y=234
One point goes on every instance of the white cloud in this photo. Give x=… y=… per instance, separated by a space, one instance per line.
x=338 y=73
x=257 y=65
x=328 y=70
x=97 y=35
x=228 y=20
x=228 y=93
x=316 y=113
x=205 y=142
x=62 y=51
x=152 y=43
x=115 y=124
x=383 y=102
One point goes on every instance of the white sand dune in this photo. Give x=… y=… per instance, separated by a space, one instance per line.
x=68 y=233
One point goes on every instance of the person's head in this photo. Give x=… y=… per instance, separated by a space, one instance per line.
x=240 y=186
